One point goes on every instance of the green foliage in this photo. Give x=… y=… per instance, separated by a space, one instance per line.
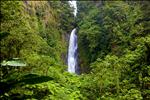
x=132 y=94
x=112 y=26
x=34 y=32
x=114 y=50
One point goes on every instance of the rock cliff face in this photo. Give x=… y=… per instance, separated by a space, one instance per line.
x=46 y=21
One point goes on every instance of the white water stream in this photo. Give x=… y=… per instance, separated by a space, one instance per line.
x=72 y=50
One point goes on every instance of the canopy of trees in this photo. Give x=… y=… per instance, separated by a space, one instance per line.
x=114 y=50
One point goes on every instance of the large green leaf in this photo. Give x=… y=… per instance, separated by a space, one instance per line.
x=14 y=62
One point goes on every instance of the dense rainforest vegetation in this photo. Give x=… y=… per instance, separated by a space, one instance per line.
x=114 y=50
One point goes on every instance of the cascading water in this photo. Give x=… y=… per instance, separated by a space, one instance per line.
x=72 y=52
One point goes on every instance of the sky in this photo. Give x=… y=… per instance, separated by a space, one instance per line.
x=74 y=4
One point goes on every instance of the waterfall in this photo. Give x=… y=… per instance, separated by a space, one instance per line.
x=72 y=52
x=73 y=4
